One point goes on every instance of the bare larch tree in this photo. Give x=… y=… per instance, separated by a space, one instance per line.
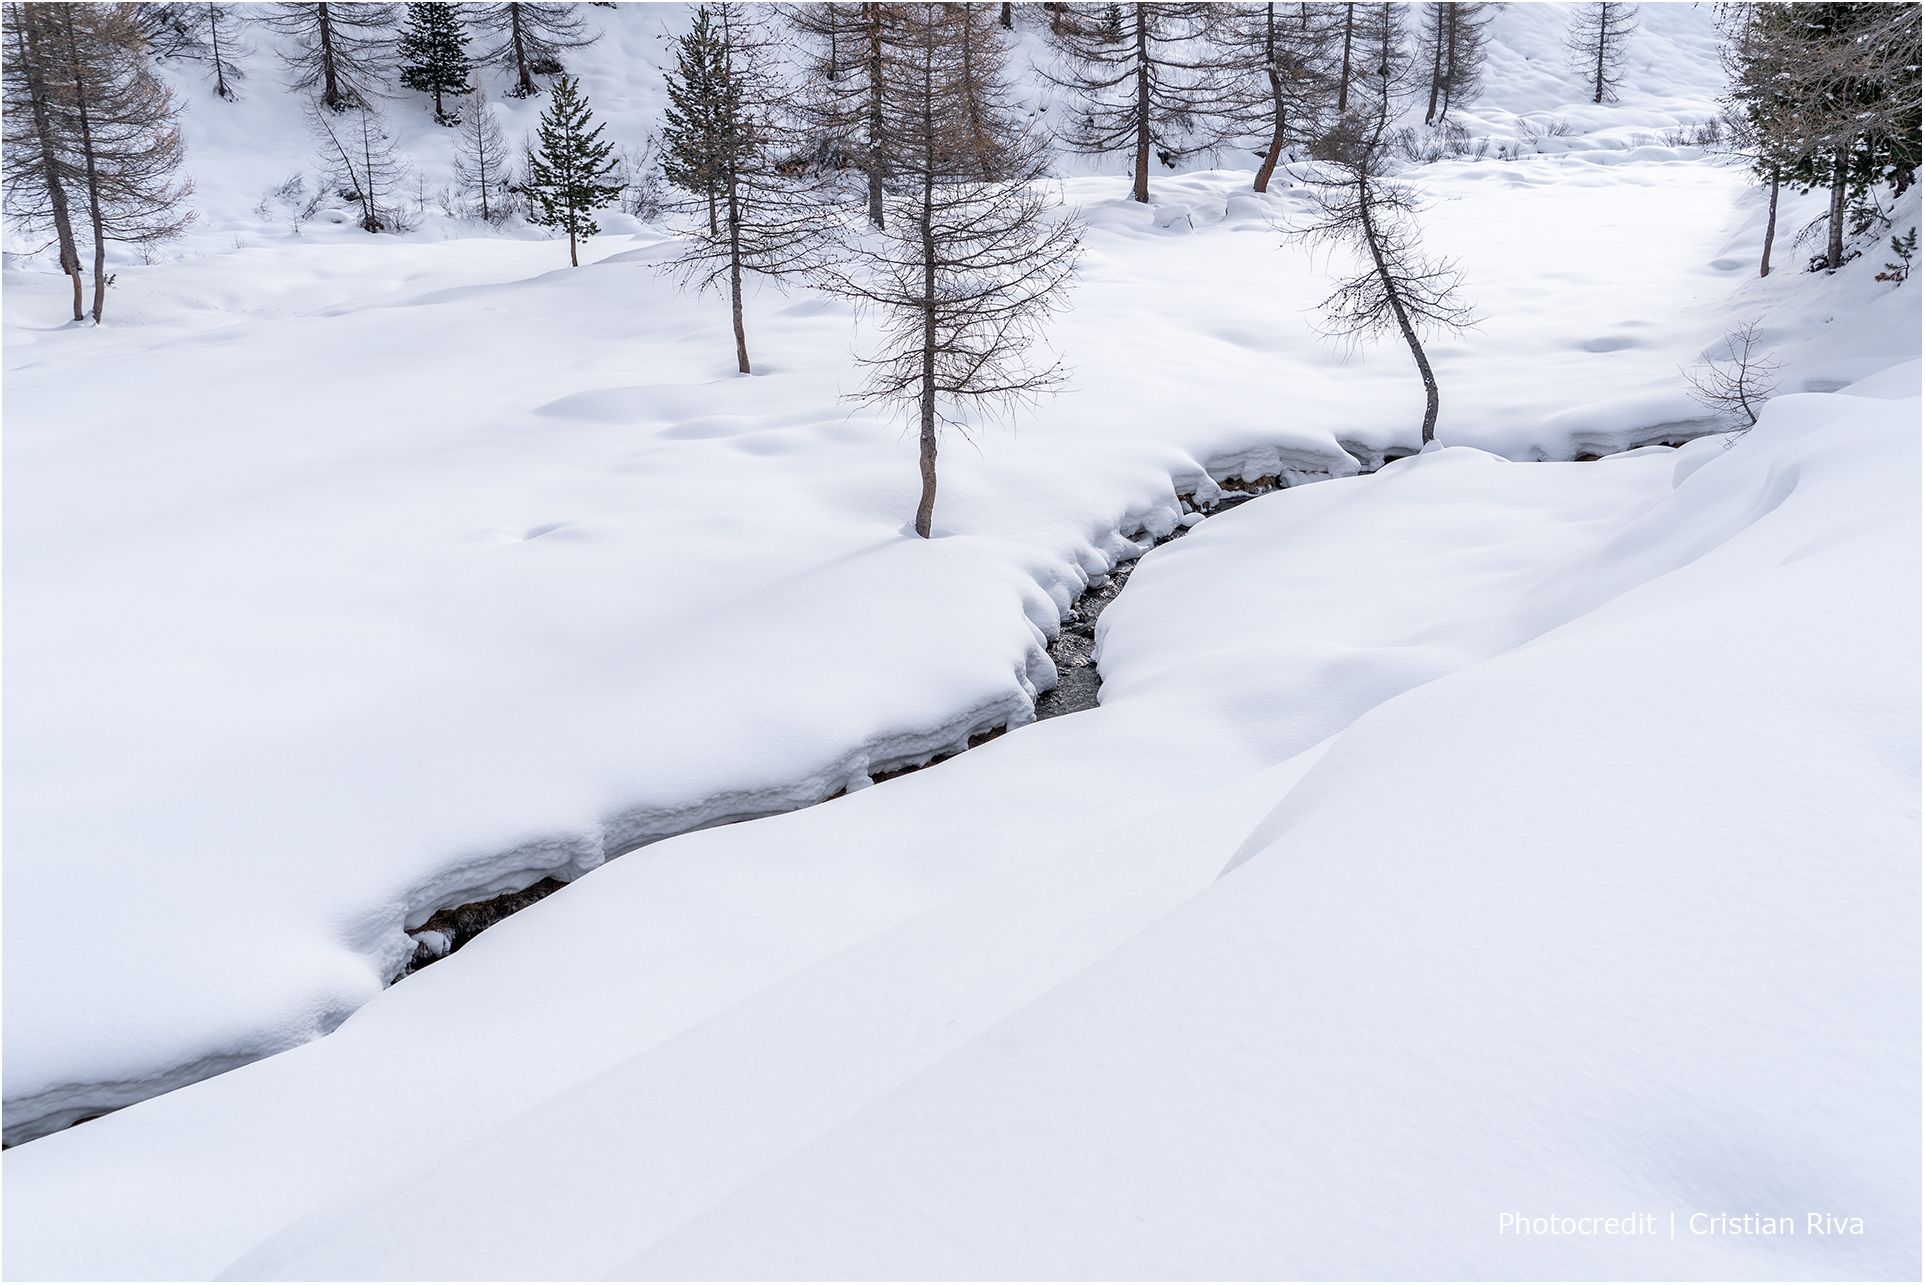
x=1275 y=58
x=842 y=103
x=997 y=137
x=343 y=51
x=481 y=160
x=1735 y=376
x=1598 y=37
x=37 y=160
x=120 y=126
x=1383 y=59
x=1145 y=83
x=967 y=270
x=723 y=140
x=1833 y=90
x=358 y=158
x=1454 y=35
x=1344 y=63
x=528 y=37
x=1763 y=139
x=197 y=32
x=1397 y=286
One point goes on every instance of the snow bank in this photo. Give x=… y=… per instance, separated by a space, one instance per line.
x=351 y=577
x=1470 y=839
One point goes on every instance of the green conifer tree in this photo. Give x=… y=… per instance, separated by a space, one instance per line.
x=566 y=169
x=433 y=57
x=699 y=114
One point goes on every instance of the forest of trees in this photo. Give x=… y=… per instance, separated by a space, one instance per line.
x=875 y=149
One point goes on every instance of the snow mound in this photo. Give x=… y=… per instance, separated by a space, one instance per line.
x=1570 y=871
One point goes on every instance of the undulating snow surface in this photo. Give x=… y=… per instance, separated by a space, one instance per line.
x=1468 y=839
x=1475 y=837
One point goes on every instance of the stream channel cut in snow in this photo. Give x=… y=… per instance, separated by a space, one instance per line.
x=1478 y=833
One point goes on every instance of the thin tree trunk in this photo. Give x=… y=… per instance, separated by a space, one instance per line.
x=1397 y=309
x=978 y=138
x=49 y=148
x=527 y=84
x=1142 y=189
x=1009 y=19
x=926 y=506
x=1450 y=57
x=220 y=73
x=574 y=260
x=93 y=172
x=372 y=198
x=330 y=90
x=1343 y=80
x=1771 y=226
x=872 y=15
x=1436 y=59
x=1835 y=242
x=735 y=274
x=1276 y=99
x=1603 y=18
x=714 y=226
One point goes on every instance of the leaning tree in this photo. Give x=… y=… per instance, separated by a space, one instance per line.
x=1397 y=286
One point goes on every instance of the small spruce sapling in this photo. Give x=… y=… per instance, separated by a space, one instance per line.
x=701 y=104
x=1904 y=247
x=568 y=167
x=434 y=59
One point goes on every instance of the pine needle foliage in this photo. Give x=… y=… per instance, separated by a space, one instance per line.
x=703 y=104
x=1829 y=96
x=434 y=56
x=725 y=128
x=568 y=168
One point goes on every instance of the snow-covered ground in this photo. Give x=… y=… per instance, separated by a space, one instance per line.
x=1472 y=837
x=1568 y=871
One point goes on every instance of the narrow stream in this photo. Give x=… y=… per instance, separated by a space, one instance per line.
x=1077 y=684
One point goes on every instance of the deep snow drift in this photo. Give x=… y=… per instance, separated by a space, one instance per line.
x=351 y=577
x=1569 y=871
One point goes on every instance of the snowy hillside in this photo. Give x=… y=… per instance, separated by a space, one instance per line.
x=1479 y=833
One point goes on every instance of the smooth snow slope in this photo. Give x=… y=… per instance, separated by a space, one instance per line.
x=355 y=576
x=1471 y=838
